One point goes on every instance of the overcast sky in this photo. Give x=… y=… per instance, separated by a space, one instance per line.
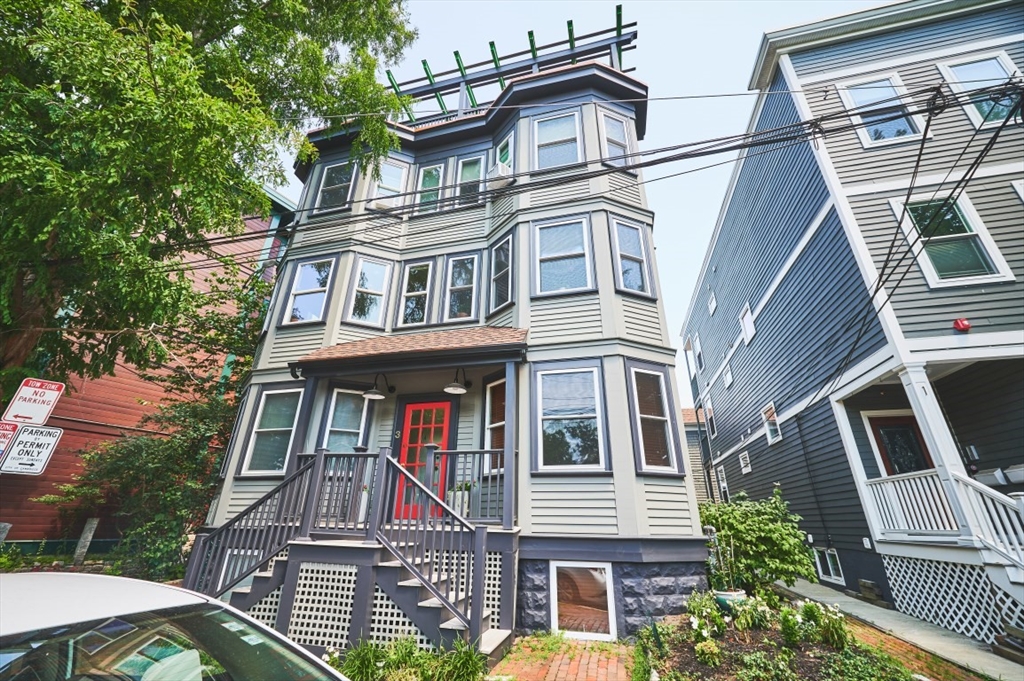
x=683 y=48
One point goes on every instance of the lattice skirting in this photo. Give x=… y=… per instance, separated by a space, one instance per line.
x=322 y=611
x=952 y=595
x=388 y=622
x=265 y=610
x=492 y=578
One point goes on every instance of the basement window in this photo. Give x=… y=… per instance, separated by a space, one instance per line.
x=581 y=600
x=829 y=568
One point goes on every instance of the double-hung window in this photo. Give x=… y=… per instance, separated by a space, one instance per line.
x=563 y=252
x=616 y=146
x=309 y=291
x=629 y=244
x=772 y=429
x=991 y=106
x=501 y=274
x=709 y=417
x=390 y=185
x=428 y=189
x=558 y=141
x=657 y=446
x=698 y=354
x=503 y=153
x=348 y=416
x=471 y=177
x=570 y=422
x=460 y=288
x=416 y=281
x=879 y=109
x=494 y=426
x=369 y=296
x=272 y=434
x=335 y=187
x=950 y=242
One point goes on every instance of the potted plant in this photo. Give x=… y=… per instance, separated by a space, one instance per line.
x=364 y=503
x=458 y=497
x=722 y=570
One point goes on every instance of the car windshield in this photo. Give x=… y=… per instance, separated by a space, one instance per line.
x=192 y=643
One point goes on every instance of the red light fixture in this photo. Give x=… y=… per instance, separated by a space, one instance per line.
x=962 y=325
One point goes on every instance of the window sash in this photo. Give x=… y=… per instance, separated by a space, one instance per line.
x=407 y=295
x=625 y=255
x=360 y=428
x=772 y=430
x=375 y=299
x=698 y=354
x=312 y=293
x=553 y=142
x=950 y=230
x=496 y=462
x=580 y=253
x=505 y=148
x=258 y=430
x=504 y=274
x=588 y=415
x=325 y=188
x=389 y=191
x=747 y=325
x=429 y=197
x=879 y=98
x=968 y=75
x=470 y=186
x=454 y=292
x=616 y=146
x=662 y=419
x=709 y=417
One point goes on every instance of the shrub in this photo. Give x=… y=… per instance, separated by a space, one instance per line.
x=708 y=652
x=11 y=557
x=766 y=542
x=859 y=662
x=363 y=662
x=761 y=666
x=790 y=626
x=752 y=613
x=704 y=613
x=832 y=628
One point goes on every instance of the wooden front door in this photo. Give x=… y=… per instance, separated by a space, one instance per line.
x=423 y=423
x=900 y=444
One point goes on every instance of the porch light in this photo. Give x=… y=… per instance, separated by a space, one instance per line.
x=456 y=388
x=375 y=394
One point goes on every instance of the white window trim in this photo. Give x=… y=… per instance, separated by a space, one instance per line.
x=745 y=467
x=389 y=201
x=330 y=416
x=536 y=145
x=609 y=591
x=351 y=301
x=601 y=463
x=255 y=428
x=254 y=553
x=727 y=376
x=298 y=292
x=491 y=273
x=723 y=483
x=448 y=287
x=905 y=101
x=712 y=304
x=605 y=153
x=698 y=354
x=712 y=424
x=748 y=334
x=404 y=293
x=673 y=455
x=511 y=140
x=435 y=207
x=643 y=258
x=764 y=422
x=488 y=425
x=827 y=577
x=1003 y=271
x=477 y=198
x=1018 y=185
x=320 y=188
x=585 y=226
x=866 y=417
x=972 y=111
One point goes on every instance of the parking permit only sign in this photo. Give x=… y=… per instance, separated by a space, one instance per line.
x=33 y=402
x=30 y=450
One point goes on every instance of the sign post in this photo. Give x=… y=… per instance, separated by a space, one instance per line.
x=33 y=402
x=30 y=450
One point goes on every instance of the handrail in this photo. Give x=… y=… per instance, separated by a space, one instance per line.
x=345 y=492
x=237 y=548
x=996 y=519
x=927 y=473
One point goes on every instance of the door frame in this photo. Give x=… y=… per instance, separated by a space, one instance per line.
x=866 y=416
x=399 y=421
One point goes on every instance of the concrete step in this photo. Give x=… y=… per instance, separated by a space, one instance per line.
x=494 y=643
x=455 y=624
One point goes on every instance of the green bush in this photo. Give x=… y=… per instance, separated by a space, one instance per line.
x=761 y=666
x=708 y=652
x=363 y=662
x=11 y=557
x=753 y=613
x=790 y=627
x=640 y=665
x=859 y=662
x=765 y=541
x=704 y=615
x=462 y=662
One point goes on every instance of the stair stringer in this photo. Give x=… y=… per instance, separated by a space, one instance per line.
x=408 y=599
x=262 y=584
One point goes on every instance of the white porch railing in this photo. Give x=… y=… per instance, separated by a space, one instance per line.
x=913 y=503
x=996 y=519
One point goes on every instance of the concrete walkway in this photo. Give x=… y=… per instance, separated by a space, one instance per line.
x=946 y=644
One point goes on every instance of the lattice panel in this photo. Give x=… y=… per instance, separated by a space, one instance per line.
x=951 y=595
x=265 y=610
x=389 y=623
x=449 y=561
x=492 y=587
x=322 y=611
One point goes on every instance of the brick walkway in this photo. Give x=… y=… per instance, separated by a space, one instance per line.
x=574 y=661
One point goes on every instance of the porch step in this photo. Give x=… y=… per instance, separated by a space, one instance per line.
x=1008 y=648
x=494 y=643
x=455 y=624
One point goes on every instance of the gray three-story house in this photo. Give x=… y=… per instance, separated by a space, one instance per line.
x=857 y=332
x=463 y=418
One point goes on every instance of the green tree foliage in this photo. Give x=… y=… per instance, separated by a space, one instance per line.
x=162 y=485
x=765 y=539
x=132 y=130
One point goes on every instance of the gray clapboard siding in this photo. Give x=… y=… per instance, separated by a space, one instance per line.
x=950 y=132
x=503 y=318
x=572 y=505
x=641 y=319
x=292 y=343
x=923 y=311
x=380 y=230
x=668 y=506
x=696 y=465
x=502 y=211
x=326 y=231
x=469 y=404
x=351 y=332
x=244 y=493
x=623 y=187
x=446 y=228
x=776 y=196
x=874 y=398
x=565 y=318
x=961 y=30
x=567 y=192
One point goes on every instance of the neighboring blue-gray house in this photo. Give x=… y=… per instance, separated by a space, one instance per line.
x=857 y=330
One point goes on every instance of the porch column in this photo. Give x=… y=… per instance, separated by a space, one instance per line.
x=510 y=466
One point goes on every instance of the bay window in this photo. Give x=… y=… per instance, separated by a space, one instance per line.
x=335 y=187
x=563 y=253
x=557 y=141
x=309 y=291
x=416 y=282
x=571 y=435
x=369 y=297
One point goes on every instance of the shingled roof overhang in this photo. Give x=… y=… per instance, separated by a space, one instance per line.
x=411 y=351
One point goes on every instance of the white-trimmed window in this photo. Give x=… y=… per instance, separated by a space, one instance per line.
x=657 y=448
x=712 y=303
x=723 y=484
x=582 y=605
x=309 y=291
x=504 y=153
x=747 y=325
x=273 y=431
x=347 y=421
x=501 y=274
x=369 y=296
x=416 y=285
x=727 y=376
x=698 y=354
x=709 y=417
x=557 y=141
x=390 y=185
x=772 y=430
x=494 y=423
x=629 y=246
x=829 y=568
x=571 y=435
x=471 y=177
x=745 y=462
x=1018 y=185
x=977 y=72
x=951 y=243
x=616 y=142
x=882 y=110
x=335 y=187
x=460 y=288
x=428 y=188
x=563 y=253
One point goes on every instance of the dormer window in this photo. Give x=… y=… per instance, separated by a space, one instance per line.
x=428 y=194
x=335 y=187
x=557 y=141
x=471 y=175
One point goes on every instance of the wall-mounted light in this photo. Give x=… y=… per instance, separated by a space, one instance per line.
x=456 y=388
x=374 y=393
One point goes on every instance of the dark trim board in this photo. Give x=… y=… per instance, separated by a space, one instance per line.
x=613 y=549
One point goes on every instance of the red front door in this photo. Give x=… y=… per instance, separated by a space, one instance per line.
x=424 y=423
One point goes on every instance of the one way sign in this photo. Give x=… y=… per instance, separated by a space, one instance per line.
x=30 y=451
